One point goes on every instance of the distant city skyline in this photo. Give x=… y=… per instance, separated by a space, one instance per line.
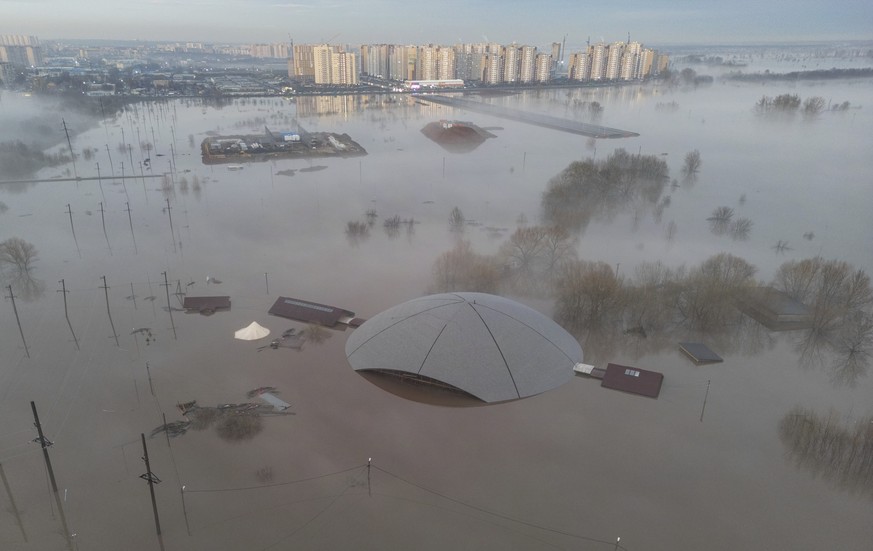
x=446 y=22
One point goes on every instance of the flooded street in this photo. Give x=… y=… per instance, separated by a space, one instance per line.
x=572 y=468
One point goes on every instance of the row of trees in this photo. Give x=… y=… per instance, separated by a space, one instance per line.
x=658 y=304
x=789 y=104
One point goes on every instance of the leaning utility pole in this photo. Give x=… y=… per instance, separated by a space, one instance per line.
x=12 y=503
x=72 y=155
x=166 y=285
x=133 y=235
x=150 y=477
x=17 y=319
x=172 y=231
x=106 y=292
x=48 y=463
x=64 y=291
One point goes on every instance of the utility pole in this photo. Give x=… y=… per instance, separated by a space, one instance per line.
x=12 y=503
x=129 y=219
x=100 y=181
x=111 y=324
x=48 y=463
x=150 y=477
x=166 y=285
x=111 y=165
x=73 y=229
x=17 y=319
x=72 y=155
x=106 y=235
x=64 y=292
x=172 y=231
x=705 y=396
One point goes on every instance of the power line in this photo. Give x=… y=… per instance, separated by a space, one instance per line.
x=493 y=513
x=288 y=483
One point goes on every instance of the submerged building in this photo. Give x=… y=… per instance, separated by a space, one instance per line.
x=486 y=346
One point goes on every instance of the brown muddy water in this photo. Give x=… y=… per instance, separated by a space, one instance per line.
x=573 y=468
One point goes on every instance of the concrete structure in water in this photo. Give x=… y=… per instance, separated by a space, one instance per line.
x=487 y=346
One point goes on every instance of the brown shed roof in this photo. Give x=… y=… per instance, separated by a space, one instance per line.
x=633 y=380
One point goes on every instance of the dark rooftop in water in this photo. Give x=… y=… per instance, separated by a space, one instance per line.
x=310 y=312
x=699 y=352
x=774 y=309
x=206 y=305
x=633 y=380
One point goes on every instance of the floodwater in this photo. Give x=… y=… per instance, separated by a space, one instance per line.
x=573 y=468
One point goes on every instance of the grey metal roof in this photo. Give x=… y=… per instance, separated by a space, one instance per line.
x=491 y=347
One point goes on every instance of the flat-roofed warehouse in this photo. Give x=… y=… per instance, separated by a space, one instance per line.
x=490 y=347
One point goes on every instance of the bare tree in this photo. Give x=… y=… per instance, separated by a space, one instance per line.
x=692 y=163
x=813 y=106
x=706 y=301
x=456 y=219
x=18 y=253
x=461 y=269
x=589 y=294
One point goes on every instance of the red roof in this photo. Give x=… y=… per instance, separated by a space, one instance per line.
x=633 y=380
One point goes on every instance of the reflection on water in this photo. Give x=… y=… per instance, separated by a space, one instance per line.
x=840 y=453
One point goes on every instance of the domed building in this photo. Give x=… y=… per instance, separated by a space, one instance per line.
x=487 y=346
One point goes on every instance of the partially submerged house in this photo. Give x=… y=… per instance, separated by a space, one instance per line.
x=774 y=309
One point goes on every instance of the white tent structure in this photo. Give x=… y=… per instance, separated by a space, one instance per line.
x=484 y=345
x=252 y=332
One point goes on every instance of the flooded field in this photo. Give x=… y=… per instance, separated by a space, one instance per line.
x=358 y=465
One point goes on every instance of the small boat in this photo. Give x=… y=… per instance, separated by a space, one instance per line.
x=234 y=167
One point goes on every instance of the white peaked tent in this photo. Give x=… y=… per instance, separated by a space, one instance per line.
x=253 y=332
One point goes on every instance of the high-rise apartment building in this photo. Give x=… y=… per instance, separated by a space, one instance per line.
x=343 y=68
x=426 y=63
x=303 y=63
x=528 y=64
x=276 y=50
x=579 y=66
x=511 y=63
x=321 y=57
x=613 y=60
x=493 y=68
x=543 y=68
x=374 y=60
x=20 y=50
x=446 y=63
x=597 y=54
x=630 y=62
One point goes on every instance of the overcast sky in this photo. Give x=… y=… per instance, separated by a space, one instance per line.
x=531 y=22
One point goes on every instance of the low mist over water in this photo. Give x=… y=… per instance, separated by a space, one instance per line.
x=630 y=244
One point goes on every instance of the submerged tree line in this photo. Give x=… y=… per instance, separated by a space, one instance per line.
x=650 y=309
